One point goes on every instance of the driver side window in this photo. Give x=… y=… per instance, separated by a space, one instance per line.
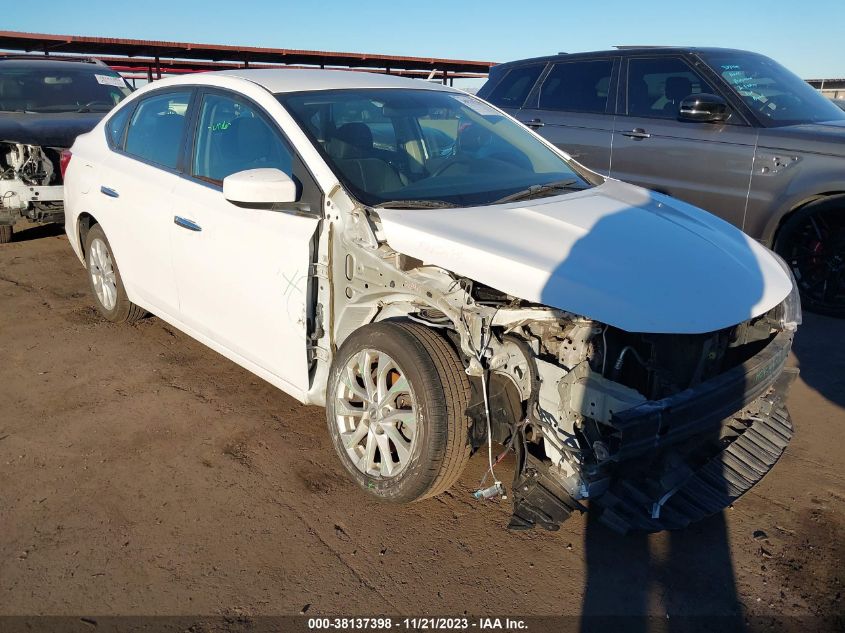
x=657 y=85
x=233 y=136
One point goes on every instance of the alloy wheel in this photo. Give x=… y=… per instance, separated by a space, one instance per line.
x=103 y=276
x=376 y=414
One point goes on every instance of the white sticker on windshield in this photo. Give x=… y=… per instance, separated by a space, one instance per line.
x=477 y=105
x=111 y=80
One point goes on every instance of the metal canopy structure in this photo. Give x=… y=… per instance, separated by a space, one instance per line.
x=158 y=57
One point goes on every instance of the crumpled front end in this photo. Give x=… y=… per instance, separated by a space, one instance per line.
x=30 y=183
x=653 y=429
x=656 y=431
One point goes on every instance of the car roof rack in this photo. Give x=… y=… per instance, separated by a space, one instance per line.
x=52 y=58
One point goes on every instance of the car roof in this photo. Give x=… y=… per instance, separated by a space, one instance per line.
x=58 y=64
x=278 y=80
x=624 y=51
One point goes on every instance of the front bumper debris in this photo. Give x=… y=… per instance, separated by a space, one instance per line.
x=658 y=478
x=645 y=504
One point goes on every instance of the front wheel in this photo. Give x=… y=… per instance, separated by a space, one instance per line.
x=5 y=233
x=812 y=242
x=105 y=281
x=396 y=408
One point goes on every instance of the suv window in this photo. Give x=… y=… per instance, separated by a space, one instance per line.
x=156 y=129
x=580 y=86
x=514 y=88
x=233 y=136
x=778 y=96
x=656 y=86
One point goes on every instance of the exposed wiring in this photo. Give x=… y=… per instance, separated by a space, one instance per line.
x=497 y=488
x=617 y=367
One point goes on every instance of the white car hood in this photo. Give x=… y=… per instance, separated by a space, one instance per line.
x=616 y=253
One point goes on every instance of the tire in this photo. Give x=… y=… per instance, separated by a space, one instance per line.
x=435 y=398
x=5 y=233
x=812 y=241
x=105 y=281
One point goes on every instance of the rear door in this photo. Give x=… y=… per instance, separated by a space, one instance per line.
x=512 y=89
x=133 y=190
x=573 y=108
x=706 y=164
x=243 y=274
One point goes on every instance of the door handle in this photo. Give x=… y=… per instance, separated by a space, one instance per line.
x=533 y=123
x=637 y=133
x=111 y=193
x=185 y=223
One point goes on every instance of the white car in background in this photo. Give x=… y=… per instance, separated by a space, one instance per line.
x=441 y=278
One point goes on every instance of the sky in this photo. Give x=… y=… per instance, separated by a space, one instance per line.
x=806 y=37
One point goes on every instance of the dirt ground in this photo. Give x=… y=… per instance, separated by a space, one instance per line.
x=142 y=473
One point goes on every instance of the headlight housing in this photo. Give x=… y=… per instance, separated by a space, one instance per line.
x=788 y=312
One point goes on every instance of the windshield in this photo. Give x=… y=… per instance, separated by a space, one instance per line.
x=778 y=96
x=60 y=89
x=405 y=147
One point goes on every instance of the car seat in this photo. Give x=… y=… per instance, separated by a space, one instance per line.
x=676 y=90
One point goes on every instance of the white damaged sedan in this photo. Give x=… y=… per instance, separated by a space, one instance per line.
x=444 y=282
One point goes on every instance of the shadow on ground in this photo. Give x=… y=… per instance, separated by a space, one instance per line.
x=37 y=231
x=826 y=372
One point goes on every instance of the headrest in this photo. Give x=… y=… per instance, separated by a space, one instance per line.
x=677 y=88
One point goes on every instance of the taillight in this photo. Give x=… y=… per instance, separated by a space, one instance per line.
x=64 y=161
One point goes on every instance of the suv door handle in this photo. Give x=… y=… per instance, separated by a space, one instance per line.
x=533 y=123
x=637 y=133
x=111 y=193
x=185 y=223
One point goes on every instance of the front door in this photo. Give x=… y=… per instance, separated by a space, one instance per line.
x=243 y=273
x=706 y=164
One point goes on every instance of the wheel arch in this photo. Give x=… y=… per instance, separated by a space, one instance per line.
x=83 y=224
x=777 y=222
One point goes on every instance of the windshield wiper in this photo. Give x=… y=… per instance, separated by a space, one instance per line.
x=535 y=190
x=415 y=204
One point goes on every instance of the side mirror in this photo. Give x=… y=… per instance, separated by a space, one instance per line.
x=703 y=108
x=259 y=187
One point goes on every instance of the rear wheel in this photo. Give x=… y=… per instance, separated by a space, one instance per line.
x=5 y=233
x=396 y=408
x=105 y=281
x=812 y=241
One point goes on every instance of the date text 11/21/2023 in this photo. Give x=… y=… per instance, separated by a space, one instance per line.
x=418 y=624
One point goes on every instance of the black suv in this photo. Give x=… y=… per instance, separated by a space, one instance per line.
x=730 y=131
x=44 y=105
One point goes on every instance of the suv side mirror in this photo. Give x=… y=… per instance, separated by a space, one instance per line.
x=703 y=108
x=259 y=187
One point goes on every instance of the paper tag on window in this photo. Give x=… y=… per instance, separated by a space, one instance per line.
x=477 y=105
x=111 y=80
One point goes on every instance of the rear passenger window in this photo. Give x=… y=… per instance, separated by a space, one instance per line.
x=116 y=126
x=232 y=136
x=156 y=129
x=514 y=88
x=577 y=86
x=656 y=86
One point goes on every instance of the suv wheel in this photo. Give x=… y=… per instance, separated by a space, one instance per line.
x=5 y=234
x=812 y=241
x=396 y=408
x=105 y=281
